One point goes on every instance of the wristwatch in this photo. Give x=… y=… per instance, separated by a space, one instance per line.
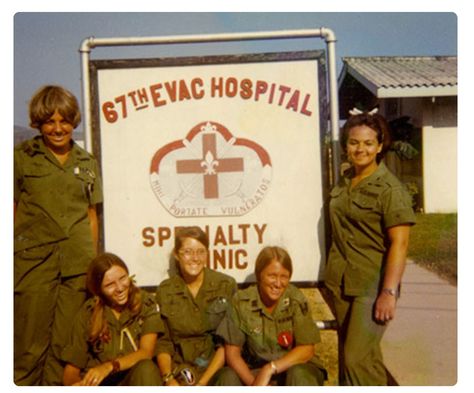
x=390 y=291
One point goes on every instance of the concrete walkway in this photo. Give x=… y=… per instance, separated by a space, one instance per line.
x=420 y=344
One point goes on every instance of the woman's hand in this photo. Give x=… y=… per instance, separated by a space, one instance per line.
x=264 y=376
x=97 y=374
x=385 y=307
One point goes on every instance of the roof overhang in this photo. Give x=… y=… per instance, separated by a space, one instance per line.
x=400 y=92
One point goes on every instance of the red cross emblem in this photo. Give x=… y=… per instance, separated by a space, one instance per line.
x=210 y=165
x=210 y=172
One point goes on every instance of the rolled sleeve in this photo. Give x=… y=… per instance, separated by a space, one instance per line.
x=305 y=330
x=152 y=320
x=398 y=208
x=229 y=329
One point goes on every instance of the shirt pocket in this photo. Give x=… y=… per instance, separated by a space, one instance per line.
x=363 y=207
x=252 y=326
x=178 y=316
x=35 y=179
x=216 y=311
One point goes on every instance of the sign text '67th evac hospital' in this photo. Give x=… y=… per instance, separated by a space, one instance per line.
x=232 y=145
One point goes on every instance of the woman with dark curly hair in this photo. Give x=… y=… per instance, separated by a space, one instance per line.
x=371 y=215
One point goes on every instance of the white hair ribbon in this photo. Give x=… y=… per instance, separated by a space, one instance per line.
x=355 y=111
x=374 y=111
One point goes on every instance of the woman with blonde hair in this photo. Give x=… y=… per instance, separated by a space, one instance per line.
x=56 y=191
x=269 y=333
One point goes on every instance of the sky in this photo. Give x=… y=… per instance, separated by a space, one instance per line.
x=46 y=45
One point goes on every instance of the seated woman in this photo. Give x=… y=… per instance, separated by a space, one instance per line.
x=114 y=335
x=269 y=333
x=192 y=304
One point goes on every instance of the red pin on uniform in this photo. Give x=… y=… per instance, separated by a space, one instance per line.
x=285 y=339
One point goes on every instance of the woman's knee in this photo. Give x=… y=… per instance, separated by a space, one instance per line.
x=144 y=373
x=306 y=374
x=226 y=376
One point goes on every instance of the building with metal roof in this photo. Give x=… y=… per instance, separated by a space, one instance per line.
x=418 y=96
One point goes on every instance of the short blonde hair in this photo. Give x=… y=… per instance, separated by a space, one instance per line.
x=269 y=254
x=50 y=98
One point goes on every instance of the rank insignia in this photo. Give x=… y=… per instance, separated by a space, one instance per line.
x=257 y=330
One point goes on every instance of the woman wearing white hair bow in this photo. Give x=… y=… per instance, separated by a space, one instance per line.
x=371 y=215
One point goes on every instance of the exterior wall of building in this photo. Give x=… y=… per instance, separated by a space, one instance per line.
x=439 y=136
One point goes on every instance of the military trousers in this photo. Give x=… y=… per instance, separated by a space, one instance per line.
x=359 y=337
x=44 y=308
x=144 y=373
x=307 y=374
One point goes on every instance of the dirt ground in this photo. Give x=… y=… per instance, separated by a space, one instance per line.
x=327 y=350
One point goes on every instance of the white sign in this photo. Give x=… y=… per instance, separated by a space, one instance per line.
x=233 y=147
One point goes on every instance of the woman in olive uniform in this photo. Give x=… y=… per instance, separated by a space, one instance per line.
x=269 y=332
x=56 y=190
x=115 y=333
x=192 y=304
x=371 y=215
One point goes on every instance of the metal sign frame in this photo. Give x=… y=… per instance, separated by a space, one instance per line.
x=322 y=33
x=89 y=71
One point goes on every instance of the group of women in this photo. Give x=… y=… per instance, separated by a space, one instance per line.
x=198 y=329
x=198 y=323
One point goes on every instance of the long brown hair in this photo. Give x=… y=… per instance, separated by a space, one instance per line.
x=98 y=328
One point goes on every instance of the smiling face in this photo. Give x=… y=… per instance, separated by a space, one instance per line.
x=116 y=286
x=57 y=133
x=192 y=258
x=362 y=147
x=272 y=282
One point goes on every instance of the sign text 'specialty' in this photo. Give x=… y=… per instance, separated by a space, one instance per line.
x=228 y=243
x=164 y=93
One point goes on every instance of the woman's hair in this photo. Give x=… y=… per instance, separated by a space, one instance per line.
x=193 y=232
x=95 y=275
x=269 y=254
x=182 y=233
x=47 y=100
x=374 y=121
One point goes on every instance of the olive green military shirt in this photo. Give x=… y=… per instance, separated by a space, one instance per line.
x=190 y=323
x=124 y=338
x=265 y=336
x=359 y=219
x=52 y=202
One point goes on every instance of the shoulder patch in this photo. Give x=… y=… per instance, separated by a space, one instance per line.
x=304 y=308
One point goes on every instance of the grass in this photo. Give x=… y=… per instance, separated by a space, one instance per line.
x=433 y=244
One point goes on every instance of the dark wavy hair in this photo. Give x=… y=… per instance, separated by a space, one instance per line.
x=374 y=121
